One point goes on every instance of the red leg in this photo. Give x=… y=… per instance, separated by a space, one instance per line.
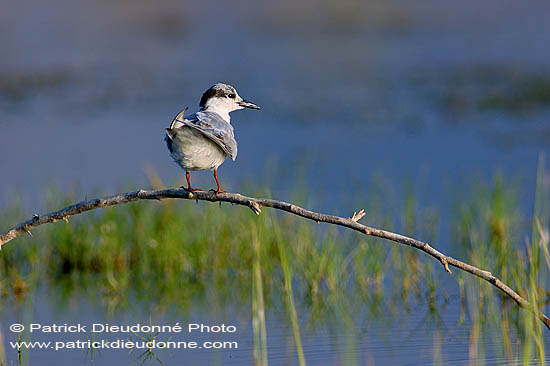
x=217 y=182
x=189 y=183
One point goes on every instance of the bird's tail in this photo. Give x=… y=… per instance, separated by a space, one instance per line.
x=178 y=120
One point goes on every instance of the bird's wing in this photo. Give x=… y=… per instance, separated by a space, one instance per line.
x=212 y=126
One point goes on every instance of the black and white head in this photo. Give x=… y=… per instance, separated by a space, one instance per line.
x=224 y=99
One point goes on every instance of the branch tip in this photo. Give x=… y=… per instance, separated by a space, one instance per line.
x=255 y=207
x=357 y=216
x=446 y=265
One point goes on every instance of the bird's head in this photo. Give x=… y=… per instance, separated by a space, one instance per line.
x=224 y=99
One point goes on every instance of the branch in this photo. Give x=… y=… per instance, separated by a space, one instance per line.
x=256 y=204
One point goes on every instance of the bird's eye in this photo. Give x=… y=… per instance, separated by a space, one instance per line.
x=232 y=96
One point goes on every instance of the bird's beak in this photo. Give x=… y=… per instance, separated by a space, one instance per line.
x=247 y=104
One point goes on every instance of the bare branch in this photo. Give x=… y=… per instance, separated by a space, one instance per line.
x=256 y=204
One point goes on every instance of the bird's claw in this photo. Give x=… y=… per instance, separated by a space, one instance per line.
x=191 y=189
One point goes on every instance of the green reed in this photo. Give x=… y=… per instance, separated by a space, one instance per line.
x=173 y=254
x=494 y=234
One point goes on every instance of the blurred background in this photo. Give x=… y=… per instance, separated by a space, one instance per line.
x=363 y=102
x=432 y=89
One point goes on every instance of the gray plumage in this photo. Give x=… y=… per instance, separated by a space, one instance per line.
x=200 y=141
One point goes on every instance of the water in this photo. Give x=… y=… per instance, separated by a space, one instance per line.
x=349 y=93
x=372 y=339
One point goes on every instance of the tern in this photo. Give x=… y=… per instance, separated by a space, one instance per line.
x=203 y=140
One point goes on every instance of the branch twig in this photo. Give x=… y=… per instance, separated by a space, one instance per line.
x=256 y=204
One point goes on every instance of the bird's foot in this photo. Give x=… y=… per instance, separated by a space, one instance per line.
x=217 y=192
x=191 y=189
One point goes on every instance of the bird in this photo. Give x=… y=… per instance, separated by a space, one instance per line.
x=203 y=140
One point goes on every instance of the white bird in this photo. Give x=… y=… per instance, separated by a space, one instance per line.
x=203 y=140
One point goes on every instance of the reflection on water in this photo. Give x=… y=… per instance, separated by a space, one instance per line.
x=427 y=93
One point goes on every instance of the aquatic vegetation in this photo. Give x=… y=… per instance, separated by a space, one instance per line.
x=170 y=255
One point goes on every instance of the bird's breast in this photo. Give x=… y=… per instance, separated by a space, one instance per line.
x=194 y=151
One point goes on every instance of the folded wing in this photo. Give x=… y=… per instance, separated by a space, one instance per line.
x=211 y=125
